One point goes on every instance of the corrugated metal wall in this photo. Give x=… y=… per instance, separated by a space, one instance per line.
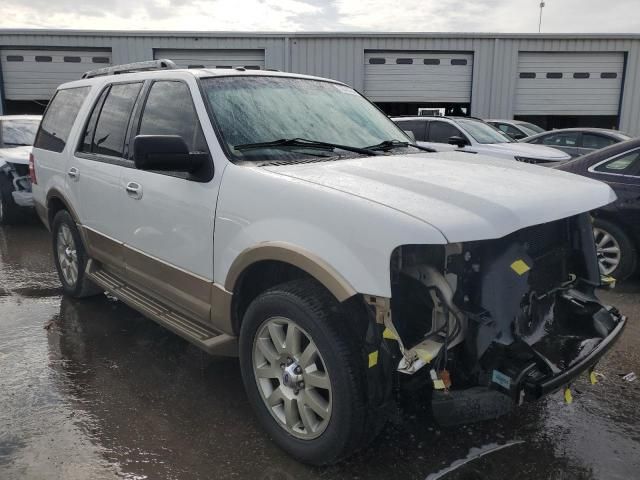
x=341 y=56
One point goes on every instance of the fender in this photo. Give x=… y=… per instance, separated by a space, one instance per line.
x=293 y=255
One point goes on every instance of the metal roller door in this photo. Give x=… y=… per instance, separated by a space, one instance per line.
x=569 y=83
x=213 y=58
x=434 y=77
x=35 y=74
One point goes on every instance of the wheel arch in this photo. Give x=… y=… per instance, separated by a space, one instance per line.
x=270 y=263
x=56 y=201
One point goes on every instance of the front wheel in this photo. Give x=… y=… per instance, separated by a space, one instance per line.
x=303 y=374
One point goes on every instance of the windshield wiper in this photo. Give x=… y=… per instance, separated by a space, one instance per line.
x=302 y=143
x=387 y=145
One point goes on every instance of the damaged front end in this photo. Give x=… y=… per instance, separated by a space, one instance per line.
x=18 y=177
x=494 y=320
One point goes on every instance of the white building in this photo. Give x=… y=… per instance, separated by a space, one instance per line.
x=554 y=80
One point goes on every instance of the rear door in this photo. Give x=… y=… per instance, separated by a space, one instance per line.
x=169 y=216
x=53 y=143
x=96 y=169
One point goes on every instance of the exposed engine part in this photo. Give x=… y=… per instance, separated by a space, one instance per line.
x=19 y=177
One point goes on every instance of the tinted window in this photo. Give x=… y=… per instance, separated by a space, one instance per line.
x=87 y=138
x=111 y=127
x=377 y=61
x=15 y=58
x=527 y=75
x=100 y=59
x=59 y=118
x=416 y=126
x=608 y=75
x=554 y=75
x=590 y=140
x=169 y=111
x=440 y=132
x=458 y=61
x=561 y=139
x=581 y=75
x=404 y=61
x=431 y=61
x=627 y=163
x=43 y=58
x=509 y=130
x=72 y=59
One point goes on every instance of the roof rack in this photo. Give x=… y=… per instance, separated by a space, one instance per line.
x=163 y=64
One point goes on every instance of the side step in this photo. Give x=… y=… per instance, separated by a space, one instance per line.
x=196 y=332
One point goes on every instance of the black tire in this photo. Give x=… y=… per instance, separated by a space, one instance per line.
x=9 y=209
x=628 y=253
x=82 y=287
x=351 y=424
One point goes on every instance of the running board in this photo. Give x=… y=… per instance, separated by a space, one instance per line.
x=201 y=335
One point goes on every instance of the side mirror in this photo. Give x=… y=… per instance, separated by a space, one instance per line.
x=458 y=141
x=165 y=153
x=411 y=135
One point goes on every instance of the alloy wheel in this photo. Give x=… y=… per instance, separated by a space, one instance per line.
x=67 y=255
x=607 y=250
x=292 y=378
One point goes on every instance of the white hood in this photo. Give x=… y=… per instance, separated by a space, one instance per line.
x=19 y=155
x=467 y=197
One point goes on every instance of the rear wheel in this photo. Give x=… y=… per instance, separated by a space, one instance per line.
x=9 y=210
x=304 y=374
x=616 y=252
x=70 y=257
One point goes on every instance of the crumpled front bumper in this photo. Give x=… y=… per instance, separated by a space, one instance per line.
x=537 y=384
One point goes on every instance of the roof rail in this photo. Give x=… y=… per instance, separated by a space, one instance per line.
x=163 y=64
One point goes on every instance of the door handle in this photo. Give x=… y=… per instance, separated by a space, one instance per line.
x=73 y=173
x=134 y=190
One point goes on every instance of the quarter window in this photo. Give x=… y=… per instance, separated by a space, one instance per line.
x=111 y=127
x=440 y=132
x=169 y=110
x=624 y=164
x=59 y=118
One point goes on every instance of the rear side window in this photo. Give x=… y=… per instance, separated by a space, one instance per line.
x=561 y=140
x=416 y=126
x=111 y=127
x=625 y=164
x=59 y=118
x=440 y=132
x=169 y=110
x=590 y=140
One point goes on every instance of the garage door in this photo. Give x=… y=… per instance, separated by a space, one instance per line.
x=569 y=83
x=214 y=58
x=35 y=74
x=434 y=77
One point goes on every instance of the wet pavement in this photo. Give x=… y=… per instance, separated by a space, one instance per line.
x=92 y=390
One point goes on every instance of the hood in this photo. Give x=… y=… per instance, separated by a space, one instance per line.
x=526 y=150
x=18 y=155
x=466 y=197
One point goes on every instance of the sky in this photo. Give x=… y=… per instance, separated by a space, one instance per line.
x=519 y=16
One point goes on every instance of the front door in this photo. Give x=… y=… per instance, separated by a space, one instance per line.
x=95 y=171
x=168 y=216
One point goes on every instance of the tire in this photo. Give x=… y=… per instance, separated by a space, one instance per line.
x=67 y=249
x=311 y=309
x=9 y=210
x=627 y=259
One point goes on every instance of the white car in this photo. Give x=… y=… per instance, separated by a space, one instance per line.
x=473 y=135
x=17 y=133
x=284 y=218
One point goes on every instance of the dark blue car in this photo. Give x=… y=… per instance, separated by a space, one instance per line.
x=616 y=226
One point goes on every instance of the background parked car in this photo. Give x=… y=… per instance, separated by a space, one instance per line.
x=616 y=226
x=474 y=135
x=578 y=141
x=516 y=129
x=17 y=133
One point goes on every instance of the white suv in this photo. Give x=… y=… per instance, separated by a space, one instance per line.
x=285 y=218
x=475 y=136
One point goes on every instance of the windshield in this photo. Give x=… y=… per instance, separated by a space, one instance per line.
x=18 y=132
x=256 y=109
x=530 y=128
x=483 y=132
